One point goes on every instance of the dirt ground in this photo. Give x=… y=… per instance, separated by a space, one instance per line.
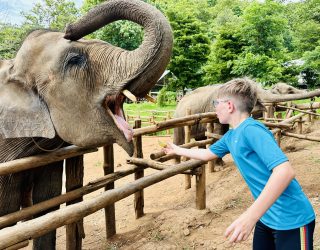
x=171 y=220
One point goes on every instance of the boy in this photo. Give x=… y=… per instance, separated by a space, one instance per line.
x=281 y=213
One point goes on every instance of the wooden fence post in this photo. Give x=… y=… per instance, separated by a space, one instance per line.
x=210 y=163
x=138 y=196
x=278 y=137
x=289 y=111
x=74 y=180
x=300 y=122
x=109 y=211
x=201 y=187
x=187 y=134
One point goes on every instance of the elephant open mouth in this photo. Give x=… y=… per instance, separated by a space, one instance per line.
x=114 y=107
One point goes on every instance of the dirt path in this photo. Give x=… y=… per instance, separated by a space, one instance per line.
x=171 y=220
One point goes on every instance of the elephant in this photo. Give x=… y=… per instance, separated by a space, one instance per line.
x=201 y=100
x=61 y=89
x=284 y=88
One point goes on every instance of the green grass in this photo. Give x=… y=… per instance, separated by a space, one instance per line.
x=147 y=106
x=146 y=110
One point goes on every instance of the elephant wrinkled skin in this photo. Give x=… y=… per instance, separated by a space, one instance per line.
x=63 y=89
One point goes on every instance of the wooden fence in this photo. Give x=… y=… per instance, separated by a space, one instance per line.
x=18 y=236
x=149 y=117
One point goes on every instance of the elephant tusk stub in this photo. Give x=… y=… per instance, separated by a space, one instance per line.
x=150 y=99
x=129 y=95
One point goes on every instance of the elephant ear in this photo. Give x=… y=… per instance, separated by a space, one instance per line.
x=23 y=113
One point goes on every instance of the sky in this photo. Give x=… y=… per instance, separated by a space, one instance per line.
x=10 y=9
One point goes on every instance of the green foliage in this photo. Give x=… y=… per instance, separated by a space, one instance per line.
x=304 y=20
x=313 y=59
x=10 y=39
x=190 y=52
x=52 y=14
x=124 y=34
x=263 y=32
x=166 y=97
x=259 y=66
x=224 y=51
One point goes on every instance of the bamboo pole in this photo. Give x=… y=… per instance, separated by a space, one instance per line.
x=35 y=228
x=192 y=144
x=300 y=110
x=305 y=137
x=30 y=162
x=74 y=180
x=213 y=135
x=277 y=125
x=177 y=122
x=289 y=112
x=190 y=117
x=18 y=245
x=210 y=131
x=187 y=137
x=109 y=211
x=156 y=165
x=292 y=119
x=287 y=121
x=311 y=105
x=138 y=196
x=201 y=187
x=300 y=122
x=25 y=213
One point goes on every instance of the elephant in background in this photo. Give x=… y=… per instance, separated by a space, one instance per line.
x=201 y=100
x=284 y=88
x=61 y=89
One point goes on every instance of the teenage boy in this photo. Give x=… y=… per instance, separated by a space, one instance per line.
x=281 y=213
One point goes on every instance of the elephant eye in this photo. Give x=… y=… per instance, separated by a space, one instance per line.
x=74 y=59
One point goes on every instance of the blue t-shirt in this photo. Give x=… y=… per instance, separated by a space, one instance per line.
x=256 y=153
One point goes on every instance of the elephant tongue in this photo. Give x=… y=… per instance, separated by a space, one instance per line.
x=125 y=127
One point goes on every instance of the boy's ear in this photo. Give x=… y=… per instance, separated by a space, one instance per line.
x=231 y=106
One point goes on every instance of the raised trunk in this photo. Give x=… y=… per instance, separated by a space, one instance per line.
x=145 y=64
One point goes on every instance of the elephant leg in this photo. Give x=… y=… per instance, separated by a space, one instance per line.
x=47 y=184
x=26 y=191
x=10 y=195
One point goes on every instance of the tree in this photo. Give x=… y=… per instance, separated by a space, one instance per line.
x=190 y=51
x=225 y=48
x=52 y=14
x=263 y=31
x=312 y=67
x=124 y=34
x=10 y=39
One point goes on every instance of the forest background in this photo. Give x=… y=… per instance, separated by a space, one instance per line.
x=214 y=40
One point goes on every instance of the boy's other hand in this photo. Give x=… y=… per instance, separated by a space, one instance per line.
x=241 y=228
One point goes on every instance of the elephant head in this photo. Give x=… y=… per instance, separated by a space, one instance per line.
x=284 y=88
x=61 y=84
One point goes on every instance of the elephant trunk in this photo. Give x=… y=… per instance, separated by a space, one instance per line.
x=288 y=97
x=144 y=65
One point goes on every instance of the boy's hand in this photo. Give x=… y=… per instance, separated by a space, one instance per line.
x=241 y=228
x=170 y=148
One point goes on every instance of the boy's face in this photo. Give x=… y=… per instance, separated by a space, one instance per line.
x=223 y=107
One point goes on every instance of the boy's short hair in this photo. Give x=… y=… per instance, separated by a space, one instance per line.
x=243 y=90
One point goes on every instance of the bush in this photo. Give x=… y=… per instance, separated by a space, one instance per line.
x=166 y=97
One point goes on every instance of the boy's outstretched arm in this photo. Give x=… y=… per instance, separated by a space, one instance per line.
x=194 y=153
x=279 y=180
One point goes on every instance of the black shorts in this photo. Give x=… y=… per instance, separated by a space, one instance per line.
x=265 y=238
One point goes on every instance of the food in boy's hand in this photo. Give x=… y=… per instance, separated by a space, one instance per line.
x=162 y=144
